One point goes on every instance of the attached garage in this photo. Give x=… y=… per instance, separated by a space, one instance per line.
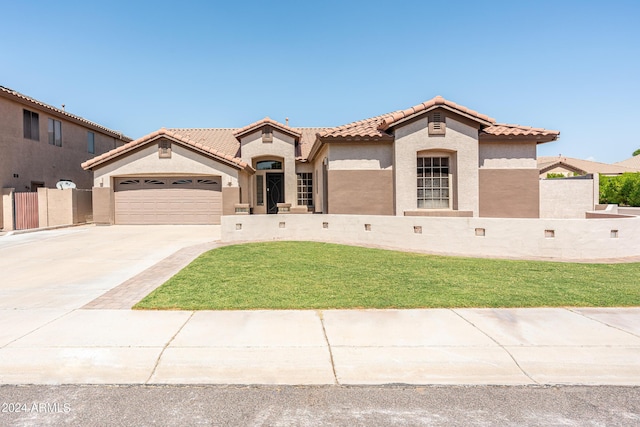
x=168 y=200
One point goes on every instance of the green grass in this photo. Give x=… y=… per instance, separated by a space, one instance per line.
x=305 y=275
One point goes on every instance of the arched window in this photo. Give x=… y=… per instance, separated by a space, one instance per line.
x=268 y=165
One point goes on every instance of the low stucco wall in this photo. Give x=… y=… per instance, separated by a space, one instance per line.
x=6 y=205
x=567 y=197
x=63 y=207
x=573 y=239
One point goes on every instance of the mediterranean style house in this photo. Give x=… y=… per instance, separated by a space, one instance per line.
x=42 y=144
x=437 y=158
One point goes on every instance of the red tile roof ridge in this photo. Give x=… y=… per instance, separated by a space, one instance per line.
x=390 y=119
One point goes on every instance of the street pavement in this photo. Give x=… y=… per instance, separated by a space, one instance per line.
x=54 y=284
x=190 y=405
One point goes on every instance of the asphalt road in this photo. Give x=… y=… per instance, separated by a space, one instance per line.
x=319 y=406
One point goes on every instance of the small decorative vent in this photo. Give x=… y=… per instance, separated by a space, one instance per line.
x=437 y=125
x=437 y=121
x=164 y=149
x=267 y=134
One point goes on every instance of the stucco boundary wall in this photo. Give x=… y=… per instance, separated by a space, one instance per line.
x=64 y=207
x=561 y=239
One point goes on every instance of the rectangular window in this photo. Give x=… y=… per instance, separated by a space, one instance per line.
x=260 y=190
x=305 y=189
x=91 y=142
x=55 y=132
x=31 y=125
x=433 y=182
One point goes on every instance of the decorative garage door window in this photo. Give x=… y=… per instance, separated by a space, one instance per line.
x=124 y=184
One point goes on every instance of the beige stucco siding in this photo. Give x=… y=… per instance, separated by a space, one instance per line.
x=146 y=162
x=568 y=198
x=319 y=178
x=361 y=156
x=39 y=161
x=460 y=139
x=508 y=155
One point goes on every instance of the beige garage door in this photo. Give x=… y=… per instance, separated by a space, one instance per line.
x=163 y=200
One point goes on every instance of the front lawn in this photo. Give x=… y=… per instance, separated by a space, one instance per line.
x=306 y=275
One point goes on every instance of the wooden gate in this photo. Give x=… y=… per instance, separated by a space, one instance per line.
x=26 y=210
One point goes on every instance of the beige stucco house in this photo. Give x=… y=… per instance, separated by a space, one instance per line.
x=437 y=158
x=569 y=166
x=42 y=145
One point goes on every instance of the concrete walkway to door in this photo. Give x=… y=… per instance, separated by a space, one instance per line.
x=49 y=337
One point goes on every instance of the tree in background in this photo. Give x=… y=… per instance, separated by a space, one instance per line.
x=635 y=153
x=622 y=190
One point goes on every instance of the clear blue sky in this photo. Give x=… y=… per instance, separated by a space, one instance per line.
x=136 y=66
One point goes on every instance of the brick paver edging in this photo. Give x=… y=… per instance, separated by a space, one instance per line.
x=127 y=294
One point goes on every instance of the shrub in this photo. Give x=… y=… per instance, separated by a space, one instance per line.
x=553 y=175
x=623 y=190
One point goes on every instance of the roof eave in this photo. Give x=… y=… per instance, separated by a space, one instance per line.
x=538 y=139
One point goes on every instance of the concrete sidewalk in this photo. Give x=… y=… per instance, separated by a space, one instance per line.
x=65 y=294
x=466 y=346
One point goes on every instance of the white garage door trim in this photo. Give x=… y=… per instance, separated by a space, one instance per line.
x=168 y=200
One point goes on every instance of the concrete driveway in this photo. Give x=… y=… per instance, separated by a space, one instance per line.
x=67 y=268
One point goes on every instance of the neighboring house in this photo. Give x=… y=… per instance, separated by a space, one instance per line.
x=570 y=167
x=633 y=163
x=437 y=158
x=42 y=145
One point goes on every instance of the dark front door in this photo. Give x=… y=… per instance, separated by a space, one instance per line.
x=275 y=191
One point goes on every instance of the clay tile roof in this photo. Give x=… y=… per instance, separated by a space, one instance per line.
x=376 y=127
x=266 y=121
x=506 y=130
x=361 y=129
x=217 y=143
x=10 y=93
x=390 y=119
